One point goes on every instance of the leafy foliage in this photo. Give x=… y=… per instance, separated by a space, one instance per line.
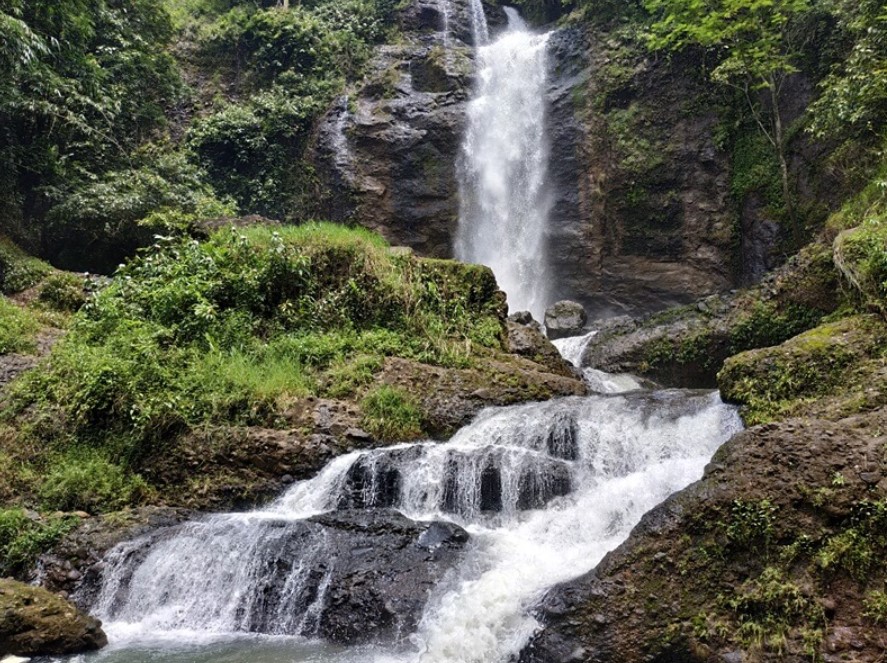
x=18 y=328
x=23 y=538
x=234 y=328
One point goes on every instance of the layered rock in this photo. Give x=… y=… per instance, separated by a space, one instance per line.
x=387 y=148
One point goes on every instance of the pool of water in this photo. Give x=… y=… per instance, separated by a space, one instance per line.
x=183 y=647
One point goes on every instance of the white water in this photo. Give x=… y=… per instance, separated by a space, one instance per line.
x=599 y=382
x=573 y=476
x=481 y=31
x=502 y=167
x=544 y=489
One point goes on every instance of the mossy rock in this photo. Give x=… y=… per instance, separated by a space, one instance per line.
x=36 y=622
x=776 y=381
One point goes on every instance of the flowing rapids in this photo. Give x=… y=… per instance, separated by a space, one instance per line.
x=545 y=490
x=503 y=165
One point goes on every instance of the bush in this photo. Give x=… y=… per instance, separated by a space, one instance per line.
x=24 y=538
x=18 y=270
x=64 y=292
x=88 y=482
x=233 y=328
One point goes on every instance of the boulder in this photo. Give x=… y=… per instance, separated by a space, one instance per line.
x=565 y=318
x=351 y=576
x=36 y=622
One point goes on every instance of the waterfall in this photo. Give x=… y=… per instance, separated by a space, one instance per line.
x=480 y=29
x=502 y=167
x=545 y=489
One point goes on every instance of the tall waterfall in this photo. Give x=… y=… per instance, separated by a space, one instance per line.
x=503 y=164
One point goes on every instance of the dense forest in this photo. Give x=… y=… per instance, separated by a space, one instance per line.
x=199 y=309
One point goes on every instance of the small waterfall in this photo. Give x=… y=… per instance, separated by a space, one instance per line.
x=545 y=489
x=502 y=167
x=443 y=6
x=599 y=382
x=481 y=31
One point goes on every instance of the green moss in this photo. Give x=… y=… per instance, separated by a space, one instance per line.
x=875 y=605
x=765 y=325
x=773 y=382
x=390 y=414
x=768 y=607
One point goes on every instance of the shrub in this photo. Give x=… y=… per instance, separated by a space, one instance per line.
x=18 y=328
x=18 y=270
x=63 y=291
x=88 y=482
x=23 y=538
x=233 y=328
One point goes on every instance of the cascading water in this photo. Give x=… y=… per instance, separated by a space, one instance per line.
x=545 y=490
x=480 y=29
x=502 y=167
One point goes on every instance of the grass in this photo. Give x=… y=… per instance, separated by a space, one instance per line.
x=18 y=329
x=390 y=414
x=24 y=537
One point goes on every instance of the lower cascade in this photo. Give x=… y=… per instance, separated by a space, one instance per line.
x=523 y=498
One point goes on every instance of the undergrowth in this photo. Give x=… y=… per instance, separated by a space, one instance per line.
x=234 y=329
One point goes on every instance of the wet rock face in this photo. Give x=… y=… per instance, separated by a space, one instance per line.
x=768 y=539
x=387 y=150
x=349 y=577
x=35 y=622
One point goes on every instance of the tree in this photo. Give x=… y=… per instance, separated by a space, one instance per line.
x=758 y=44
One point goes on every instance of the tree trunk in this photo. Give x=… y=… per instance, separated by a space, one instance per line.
x=779 y=139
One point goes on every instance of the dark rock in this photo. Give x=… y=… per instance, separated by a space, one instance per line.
x=380 y=595
x=521 y=318
x=565 y=318
x=529 y=341
x=35 y=622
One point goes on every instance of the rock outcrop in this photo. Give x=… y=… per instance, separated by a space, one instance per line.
x=349 y=576
x=387 y=148
x=687 y=346
x=35 y=622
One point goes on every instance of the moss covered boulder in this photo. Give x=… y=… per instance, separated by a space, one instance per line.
x=833 y=370
x=687 y=346
x=35 y=622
